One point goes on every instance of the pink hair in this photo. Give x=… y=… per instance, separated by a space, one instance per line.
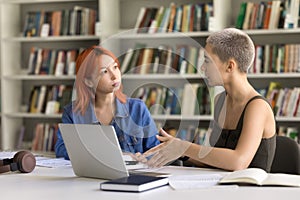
x=85 y=66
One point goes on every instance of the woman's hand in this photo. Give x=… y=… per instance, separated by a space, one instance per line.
x=170 y=149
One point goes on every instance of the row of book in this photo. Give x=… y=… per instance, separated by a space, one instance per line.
x=277 y=58
x=268 y=14
x=192 y=99
x=49 y=99
x=77 y=21
x=174 y=18
x=284 y=101
x=43 y=61
x=184 y=59
x=45 y=137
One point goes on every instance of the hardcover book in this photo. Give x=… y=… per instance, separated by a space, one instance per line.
x=134 y=183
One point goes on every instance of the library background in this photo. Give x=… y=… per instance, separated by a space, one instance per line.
x=40 y=40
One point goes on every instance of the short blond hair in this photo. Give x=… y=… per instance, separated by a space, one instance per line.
x=232 y=43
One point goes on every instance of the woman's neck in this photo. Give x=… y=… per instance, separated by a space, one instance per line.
x=105 y=109
x=104 y=101
x=239 y=89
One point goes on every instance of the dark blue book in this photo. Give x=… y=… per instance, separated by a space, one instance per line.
x=134 y=183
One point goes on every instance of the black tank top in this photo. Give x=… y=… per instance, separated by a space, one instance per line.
x=225 y=138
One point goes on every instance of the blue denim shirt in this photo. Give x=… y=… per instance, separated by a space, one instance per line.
x=135 y=128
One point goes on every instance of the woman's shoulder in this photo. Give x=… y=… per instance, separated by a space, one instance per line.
x=258 y=101
x=135 y=103
x=68 y=106
x=131 y=100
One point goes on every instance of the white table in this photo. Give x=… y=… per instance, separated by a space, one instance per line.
x=61 y=183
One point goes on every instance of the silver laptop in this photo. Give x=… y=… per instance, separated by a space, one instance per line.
x=94 y=150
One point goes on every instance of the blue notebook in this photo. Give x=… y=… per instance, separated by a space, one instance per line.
x=134 y=183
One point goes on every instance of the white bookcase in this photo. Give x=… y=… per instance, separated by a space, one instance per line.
x=117 y=18
x=15 y=82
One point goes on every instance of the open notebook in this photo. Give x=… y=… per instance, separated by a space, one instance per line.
x=95 y=152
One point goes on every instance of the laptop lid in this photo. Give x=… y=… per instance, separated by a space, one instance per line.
x=94 y=150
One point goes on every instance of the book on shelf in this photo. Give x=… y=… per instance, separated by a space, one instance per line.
x=56 y=22
x=39 y=61
x=138 y=48
x=174 y=18
x=268 y=14
x=38 y=138
x=60 y=63
x=292 y=14
x=49 y=99
x=32 y=60
x=178 y=19
x=145 y=21
x=64 y=96
x=134 y=183
x=43 y=61
x=164 y=59
x=32 y=21
x=257 y=176
x=274 y=15
x=192 y=60
x=65 y=22
x=247 y=15
x=71 y=62
x=126 y=57
x=44 y=137
x=185 y=18
x=176 y=101
x=41 y=99
x=45 y=64
x=21 y=134
x=140 y=17
x=276 y=58
x=33 y=99
x=158 y=19
x=164 y=21
x=144 y=62
x=284 y=101
x=191 y=99
x=77 y=21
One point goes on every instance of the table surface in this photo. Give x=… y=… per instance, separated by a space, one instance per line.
x=61 y=183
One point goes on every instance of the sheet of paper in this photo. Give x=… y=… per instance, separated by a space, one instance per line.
x=52 y=162
x=7 y=154
x=179 y=182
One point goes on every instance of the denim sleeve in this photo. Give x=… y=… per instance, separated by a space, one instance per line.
x=60 y=148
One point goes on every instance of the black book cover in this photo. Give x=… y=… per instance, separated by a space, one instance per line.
x=134 y=183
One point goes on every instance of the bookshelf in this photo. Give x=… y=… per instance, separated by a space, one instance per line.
x=119 y=18
x=16 y=82
x=127 y=38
